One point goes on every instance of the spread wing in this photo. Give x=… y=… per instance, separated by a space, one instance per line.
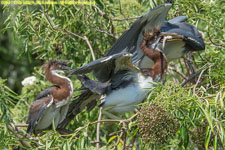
x=37 y=109
x=105 y=67
x=130 y=38
x=94 y=86
x=117 y=64
x=192 y=37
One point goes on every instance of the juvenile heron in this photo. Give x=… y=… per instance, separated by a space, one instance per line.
x=52 y=103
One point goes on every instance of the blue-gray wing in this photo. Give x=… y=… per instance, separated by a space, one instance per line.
x=192 y=37
x=102 y=68
x=122 y=78
x=129 y=39
x=178 y=19
x=94 y=86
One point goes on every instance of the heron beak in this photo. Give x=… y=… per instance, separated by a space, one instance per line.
x=70 y=74
x=171 y=40
x=169 y=37
x=132 y=66
x=66 y=69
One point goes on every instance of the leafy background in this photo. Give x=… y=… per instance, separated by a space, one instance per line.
x=33 y=34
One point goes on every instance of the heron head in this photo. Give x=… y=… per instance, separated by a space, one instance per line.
x=57 y=66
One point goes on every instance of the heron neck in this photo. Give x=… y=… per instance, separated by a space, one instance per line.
x=57 y=79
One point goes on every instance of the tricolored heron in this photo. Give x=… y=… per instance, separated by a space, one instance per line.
x=175 y=38
x=52 y=103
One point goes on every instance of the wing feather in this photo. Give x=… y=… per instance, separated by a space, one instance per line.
x=45 y=92
x=178 y=19
x=37 y=109
x=192 y=37
x=102 y=68
x=153 y=18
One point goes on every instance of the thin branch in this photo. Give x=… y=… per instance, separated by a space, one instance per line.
x=187 y=67
x=83 y=38
x=22 y=142
x=72 y=33
x=182 y=68
x=25 y=102
x=103 y=14
x=99 y=121
x=178 y=72
x=125 y=136
x=175 y=80
x=21 y=125
x=98 y=129
x=198 y=80
x=213 y=25
x=101 y=31
x=116 y=132
x=210 y=96
x=125 y=19
x=190 y=78
x=14 y=129
x=217 y=45
x=90 y=47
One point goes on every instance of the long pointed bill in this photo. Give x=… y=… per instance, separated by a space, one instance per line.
x=157 y=42
x=170 y=37
x=66 y=68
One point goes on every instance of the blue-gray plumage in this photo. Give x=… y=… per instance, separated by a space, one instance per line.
x=130 y=41
x=126 y=88
x=127 y=85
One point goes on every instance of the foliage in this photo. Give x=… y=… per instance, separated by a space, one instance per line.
x=155 y=125
x=70 y=32
x=14 y=65
x=7 y=100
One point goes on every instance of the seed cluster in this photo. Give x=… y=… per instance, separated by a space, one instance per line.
x=155 y=124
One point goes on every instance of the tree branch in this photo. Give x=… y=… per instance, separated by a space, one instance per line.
x=104 y=15
x=98 y=129
x=71 y=33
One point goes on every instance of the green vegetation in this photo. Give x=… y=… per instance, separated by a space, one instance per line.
x=31 y=35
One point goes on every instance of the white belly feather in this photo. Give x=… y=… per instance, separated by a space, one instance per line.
x=46 y=120
x=126 y=99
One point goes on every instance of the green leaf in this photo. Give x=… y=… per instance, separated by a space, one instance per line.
x=184 y=135
x=208 y=137
x=111 y=138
